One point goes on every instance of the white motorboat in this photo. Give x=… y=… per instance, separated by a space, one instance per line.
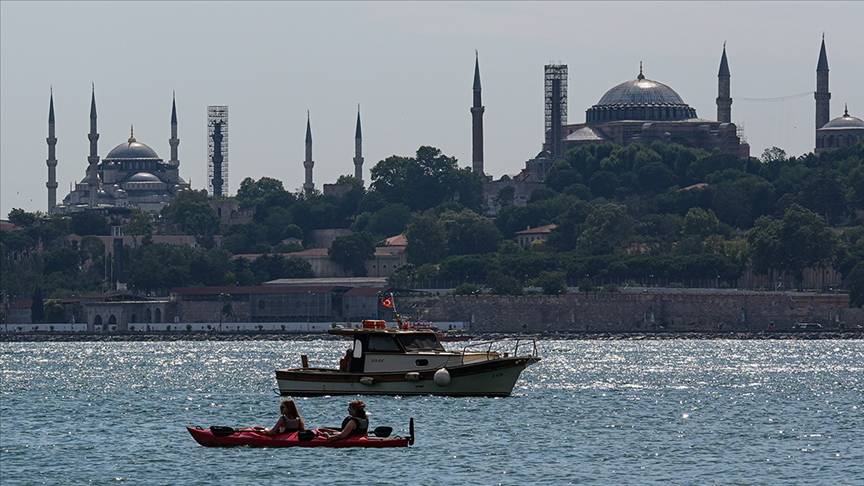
x=387 y=361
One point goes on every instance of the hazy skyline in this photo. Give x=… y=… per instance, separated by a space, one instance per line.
x=409 y=65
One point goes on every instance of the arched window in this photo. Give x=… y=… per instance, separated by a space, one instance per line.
x=134 y=318
x=98 y=320
x=112 y=320
x=148 y=316
x=158 y=315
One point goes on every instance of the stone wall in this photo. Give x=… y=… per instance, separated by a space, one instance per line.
x=691 y=311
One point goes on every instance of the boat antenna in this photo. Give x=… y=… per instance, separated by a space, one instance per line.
x=395 y=311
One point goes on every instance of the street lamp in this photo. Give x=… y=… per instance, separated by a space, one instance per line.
x=222 y=297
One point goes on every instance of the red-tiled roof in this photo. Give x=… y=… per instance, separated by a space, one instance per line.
x=539 y=230
x=257 y=289
x=398 y=240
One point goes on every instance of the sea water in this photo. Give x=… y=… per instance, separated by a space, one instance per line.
x=604 y=412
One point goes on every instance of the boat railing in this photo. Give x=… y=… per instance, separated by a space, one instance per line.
x=499 y=345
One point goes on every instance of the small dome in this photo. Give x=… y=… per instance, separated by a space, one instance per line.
x=844 y=122
x=143 y=177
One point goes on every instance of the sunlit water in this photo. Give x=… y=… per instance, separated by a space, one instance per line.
x=693 y=412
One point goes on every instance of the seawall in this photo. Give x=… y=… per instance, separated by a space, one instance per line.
x=654 y=310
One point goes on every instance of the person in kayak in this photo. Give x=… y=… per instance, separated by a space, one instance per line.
x=289 y=421
x=355 y=424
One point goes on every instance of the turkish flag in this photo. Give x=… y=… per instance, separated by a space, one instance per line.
x=387 y=302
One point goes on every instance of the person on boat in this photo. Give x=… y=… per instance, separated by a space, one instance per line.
x=289 y=421
x=356 y=424
x=345 y=361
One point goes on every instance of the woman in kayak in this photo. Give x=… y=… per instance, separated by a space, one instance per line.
x=355 y=424
x=289 y=421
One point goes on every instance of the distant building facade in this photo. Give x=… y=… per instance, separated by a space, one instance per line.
x=530 y=236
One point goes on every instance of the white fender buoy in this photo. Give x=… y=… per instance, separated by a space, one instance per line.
x=442 y=377
x=367 y=380
x=412 y=376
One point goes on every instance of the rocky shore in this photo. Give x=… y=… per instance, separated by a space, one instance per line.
x=199 y=336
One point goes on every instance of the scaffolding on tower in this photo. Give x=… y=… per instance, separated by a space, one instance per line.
x=551 y=73
x=217 y=150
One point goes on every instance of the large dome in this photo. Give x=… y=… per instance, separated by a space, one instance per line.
x=132 y=149
x=641 y=92
x=640 y=99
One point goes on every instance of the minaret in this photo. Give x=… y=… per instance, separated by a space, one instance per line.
x=93 y=158
x=822 y=95
x=308 y=186
x=477 y=110
x=358 y=149
x=724 y=99
x=52 y=158
x=174 y=141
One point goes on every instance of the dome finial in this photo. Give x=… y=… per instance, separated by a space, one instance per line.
x=641 y=76
x=846 y=109
x=132 y=134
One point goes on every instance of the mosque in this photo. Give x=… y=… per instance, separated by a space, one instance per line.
x=132 y=175
x=644 y=110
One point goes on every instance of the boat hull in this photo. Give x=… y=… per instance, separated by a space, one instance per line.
x=254 y=438
x=490 y=378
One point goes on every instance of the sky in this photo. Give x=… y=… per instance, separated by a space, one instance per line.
x=408 y=65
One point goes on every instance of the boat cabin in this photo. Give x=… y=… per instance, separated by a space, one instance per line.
x=385 y=349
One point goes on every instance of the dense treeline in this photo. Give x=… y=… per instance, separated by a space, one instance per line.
x=658 y=211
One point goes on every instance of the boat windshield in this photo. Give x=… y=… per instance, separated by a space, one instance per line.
x=425 y=341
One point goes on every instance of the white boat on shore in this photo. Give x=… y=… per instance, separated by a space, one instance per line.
x=387 y=361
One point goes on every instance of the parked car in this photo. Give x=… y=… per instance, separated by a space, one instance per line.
x=807 y=326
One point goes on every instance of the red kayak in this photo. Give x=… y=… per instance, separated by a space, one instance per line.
x=226 y=437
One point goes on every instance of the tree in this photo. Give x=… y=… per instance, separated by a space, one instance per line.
x=807 y=241
x=37 y=306
x=799 y=240
x=89 y=223
x=773 y=155
x=351 y=252
x=856 y=286
x=141 y=224
x=606 y=228
x=467 y=289
x=191 y=212
x=427 y=240
x=504 y=284
x=426 y=180
x=552 y=283
x=264 y=192
x=469 y=233
x=388 y=221
x=21 y=218
x=505 y=197
x=700 y=222
x=766 y=249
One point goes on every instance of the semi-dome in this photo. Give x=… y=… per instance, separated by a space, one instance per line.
x=846 y=121
x=640 y=99
x=132 y=149
x=144 y=177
